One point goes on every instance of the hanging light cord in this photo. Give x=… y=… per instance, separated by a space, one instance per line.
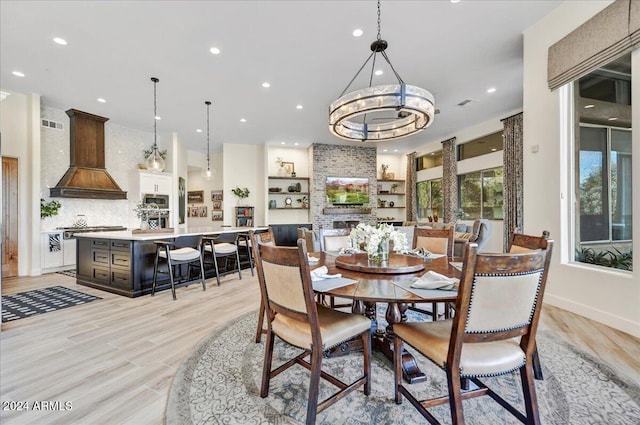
x=155 y=115
x=377 y=46
x=208 y=160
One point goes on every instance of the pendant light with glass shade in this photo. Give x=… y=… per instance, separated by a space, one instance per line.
x=384 y=112
x=209 y=172
x=154 y=161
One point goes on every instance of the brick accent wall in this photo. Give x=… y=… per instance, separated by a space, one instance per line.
x=340 y=161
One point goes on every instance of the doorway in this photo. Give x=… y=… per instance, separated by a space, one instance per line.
x=9 y=217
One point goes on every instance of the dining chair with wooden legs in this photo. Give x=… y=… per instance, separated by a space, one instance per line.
x=436 y=241
x=266 y=238
x=294 y=316
x=493 y=332
x=519 y=242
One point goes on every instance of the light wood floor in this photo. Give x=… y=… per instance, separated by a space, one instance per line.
x=114 y=358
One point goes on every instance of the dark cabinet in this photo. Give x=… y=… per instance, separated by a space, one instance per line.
x=287 y=234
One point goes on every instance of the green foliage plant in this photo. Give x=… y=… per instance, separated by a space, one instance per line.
x=241 y=192
x=49 y=209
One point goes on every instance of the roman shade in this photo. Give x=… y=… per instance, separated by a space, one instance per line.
x=604 y=37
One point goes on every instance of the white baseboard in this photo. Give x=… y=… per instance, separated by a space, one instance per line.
x=606 y=318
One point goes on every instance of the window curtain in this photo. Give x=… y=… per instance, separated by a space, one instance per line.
x=513 y=210
x=410 y=197
x=604 y=37
x=449 y=180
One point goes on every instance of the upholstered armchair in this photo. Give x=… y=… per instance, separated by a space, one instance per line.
x=477 y=233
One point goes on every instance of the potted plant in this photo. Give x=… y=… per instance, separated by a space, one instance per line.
x=303 y=202
x=394 y=187
x=241 y=193
x=49 y=209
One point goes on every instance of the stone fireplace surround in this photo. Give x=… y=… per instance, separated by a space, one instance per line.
x=340 y=161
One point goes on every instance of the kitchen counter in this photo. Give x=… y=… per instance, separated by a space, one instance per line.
x=122 y=262
x=189 y=231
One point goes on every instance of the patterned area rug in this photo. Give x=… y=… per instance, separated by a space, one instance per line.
x=27 y=304
x=219 y=383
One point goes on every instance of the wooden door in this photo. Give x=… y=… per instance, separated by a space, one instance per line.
x=9 y=217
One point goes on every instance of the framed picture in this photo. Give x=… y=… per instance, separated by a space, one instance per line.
x=216 y=195
x=192 y=212
x=217 y=205
x=202 y=211
x=216 y=215
x=391 y=176
x=195 y=197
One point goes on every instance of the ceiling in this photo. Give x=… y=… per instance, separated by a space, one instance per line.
x=304 y=49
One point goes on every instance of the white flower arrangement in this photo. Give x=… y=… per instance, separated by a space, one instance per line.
x=371 y=237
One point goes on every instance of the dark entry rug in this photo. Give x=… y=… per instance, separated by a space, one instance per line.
x=27 y=304
x=219 y=383
x=70 y=273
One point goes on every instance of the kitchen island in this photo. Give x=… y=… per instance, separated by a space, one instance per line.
x=122 y=262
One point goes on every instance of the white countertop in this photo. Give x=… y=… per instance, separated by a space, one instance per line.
x=189 y=231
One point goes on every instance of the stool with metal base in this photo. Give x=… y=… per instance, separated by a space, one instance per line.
x=176 y=255
x=219 y=250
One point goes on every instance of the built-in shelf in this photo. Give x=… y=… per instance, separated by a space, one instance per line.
x=288 y=193
x=350 y=210
x=288 y=178
x=286 y=208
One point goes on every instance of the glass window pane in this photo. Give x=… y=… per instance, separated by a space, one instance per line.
x=593 y=193
x=492 y=194
x=423 y=193
x=621 y=185
x=470 y=195
x=436 y=197
x=430 y=160
x=481 y=146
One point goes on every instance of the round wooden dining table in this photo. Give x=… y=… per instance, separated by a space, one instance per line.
x=383 y=283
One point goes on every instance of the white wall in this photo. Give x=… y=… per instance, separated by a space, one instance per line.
x=608 y=296
x=244 y=166
x=20 y=128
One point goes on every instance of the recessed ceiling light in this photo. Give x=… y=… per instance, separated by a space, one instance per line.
x=613 y=119
x=266 y=85
x=379 y=72
x=589 y=106
x=18 y=74
x=395 y=150
x=357 y=32
x=243 y=120
x=491 y=90
x=384 y=150
x=283 y=143
x=298 y=106
x=158 y=117
x=215 y=50
x=455 y=1
x=60 y=41
x=494 y=149
x=433 y=153
x=296 y=144
x=102 y=100
x=198 y=131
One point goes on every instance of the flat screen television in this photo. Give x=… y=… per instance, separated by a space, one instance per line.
x=347 y=190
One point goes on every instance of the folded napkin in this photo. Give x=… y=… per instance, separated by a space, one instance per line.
x=433 y=280
x=419 y=252
x=311 y=259
x=321 y=273
x=347 y=251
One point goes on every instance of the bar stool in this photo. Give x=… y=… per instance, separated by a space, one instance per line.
x=175 y=255
x=243 y=242
x=220 y=250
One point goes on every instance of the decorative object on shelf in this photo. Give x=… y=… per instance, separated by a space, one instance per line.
x=275 y=189
x=80 y=221
x=195 y=196
x=141 y=213
x=241 y=193
x=435 y=215
x=394 y=187
x=382 y=203
x=298 y=187
x=49 y=209
x=289 y=168
x=154 y=161
x=209 y=172
x=411 y=107
x=391 y=176
x=287 y=202
x=391 y=204
x=291 y=188
x=375 y=240
x=384 y=168
x=272 y=204
x=303 y=202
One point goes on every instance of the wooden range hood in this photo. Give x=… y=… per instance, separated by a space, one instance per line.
x=87 y=176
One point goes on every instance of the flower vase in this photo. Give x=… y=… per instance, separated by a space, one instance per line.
x=144 y=224
x=382 y=254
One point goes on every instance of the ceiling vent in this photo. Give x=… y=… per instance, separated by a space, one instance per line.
x=465 y=102
x=52 y=124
